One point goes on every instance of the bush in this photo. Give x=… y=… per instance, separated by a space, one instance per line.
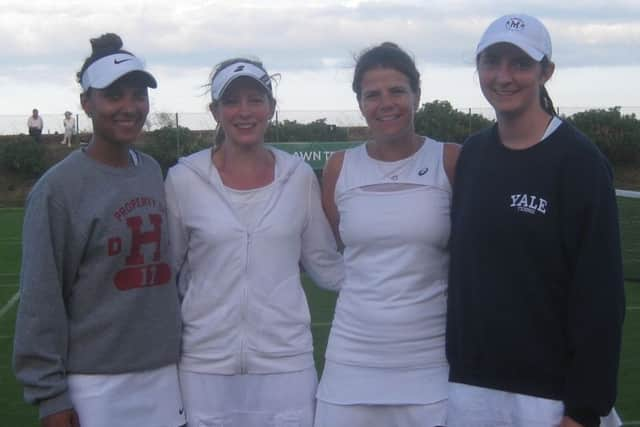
x=617 y=135
x=24 y=157
x=162 y=145
x=316 y=131
x=439 y=120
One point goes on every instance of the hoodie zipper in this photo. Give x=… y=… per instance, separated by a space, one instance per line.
x=215 y=179
x=245 y=308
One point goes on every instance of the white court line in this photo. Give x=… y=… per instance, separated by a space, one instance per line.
x=10 y=304
x=627 y=193
x=630 y=423
x=633 y=308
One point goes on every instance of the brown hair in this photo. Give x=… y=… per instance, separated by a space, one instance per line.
x=545 y=100
x=385 y=55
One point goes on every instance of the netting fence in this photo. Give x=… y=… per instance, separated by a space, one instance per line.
x=14 y=124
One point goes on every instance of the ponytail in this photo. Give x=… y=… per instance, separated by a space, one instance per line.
x=219 y=139
x=545 y=100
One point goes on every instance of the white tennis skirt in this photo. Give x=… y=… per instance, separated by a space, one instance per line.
x=138 y=399
x=251 y=400
x=427 y=415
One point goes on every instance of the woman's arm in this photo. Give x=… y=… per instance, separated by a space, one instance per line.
x=320 y=257
x=178 y=239
x=595 y=308
x=330 y=176
x=451 y=153
x=41 y=331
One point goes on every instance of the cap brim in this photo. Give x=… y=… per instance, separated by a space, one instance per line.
x=534 y=53
x=146 y=77
x=105 y=71
x=107 y=81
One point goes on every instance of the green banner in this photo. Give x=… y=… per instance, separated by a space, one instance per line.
x=314 y=153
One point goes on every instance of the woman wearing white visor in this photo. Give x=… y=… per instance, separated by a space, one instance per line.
x=536 y=298
x=98 y=328
x=243 y=216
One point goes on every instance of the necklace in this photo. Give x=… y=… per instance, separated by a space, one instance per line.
x=392 y=170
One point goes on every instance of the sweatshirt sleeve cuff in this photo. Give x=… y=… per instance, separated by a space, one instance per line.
x=586 y=417
x=56 y=404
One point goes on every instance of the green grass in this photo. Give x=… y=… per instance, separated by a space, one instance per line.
x=629 y=210
x=13 y=412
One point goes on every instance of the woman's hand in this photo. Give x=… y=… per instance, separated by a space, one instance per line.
x=568 y=422
x=66 y=418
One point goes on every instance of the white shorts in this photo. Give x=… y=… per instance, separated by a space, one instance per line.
x=471 y=406
x=429 y=415
x=138 y=399
x=273 y=400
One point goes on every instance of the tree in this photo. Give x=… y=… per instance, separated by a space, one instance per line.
x=318 y=130
x=159 y=120
x=617 y=135
x=439 y=120
x=162 y=144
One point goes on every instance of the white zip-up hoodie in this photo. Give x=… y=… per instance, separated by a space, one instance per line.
x=243 y=306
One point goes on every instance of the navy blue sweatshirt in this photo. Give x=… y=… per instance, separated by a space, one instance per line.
x=536 y=295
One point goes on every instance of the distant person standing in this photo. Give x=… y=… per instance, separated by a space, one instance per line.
x=35 y=125
x=69 y=127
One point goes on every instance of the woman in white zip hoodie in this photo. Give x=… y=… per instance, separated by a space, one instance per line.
x=242 y=218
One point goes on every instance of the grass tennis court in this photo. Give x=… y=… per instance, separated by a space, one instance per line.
x=15 y=413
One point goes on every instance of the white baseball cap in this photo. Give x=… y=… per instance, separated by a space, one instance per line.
x=110 y=68
x=523 y=31
x=224 y=77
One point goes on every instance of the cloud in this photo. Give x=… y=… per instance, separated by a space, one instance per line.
x=312 y=43
x=314 y=34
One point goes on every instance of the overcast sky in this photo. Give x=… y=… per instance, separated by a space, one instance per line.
x=596 y=47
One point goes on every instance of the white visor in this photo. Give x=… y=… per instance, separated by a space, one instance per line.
x=238 y=69
x=107 y=70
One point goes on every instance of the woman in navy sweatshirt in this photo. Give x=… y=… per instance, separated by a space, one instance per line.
x=536 y=297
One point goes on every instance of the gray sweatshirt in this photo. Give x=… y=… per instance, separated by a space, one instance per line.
x=97 y=294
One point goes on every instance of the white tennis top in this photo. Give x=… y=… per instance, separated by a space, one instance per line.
x=390 y=315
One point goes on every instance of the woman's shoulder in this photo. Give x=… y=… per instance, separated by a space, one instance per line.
x=147 y=160
x=200 y=160
x=67 y=168
x=59 y=179
x=576 y=145
x=481 y=136
x=334 y=163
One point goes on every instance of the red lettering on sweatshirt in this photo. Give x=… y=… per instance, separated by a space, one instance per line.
x=136 y=203
x=137 y=274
